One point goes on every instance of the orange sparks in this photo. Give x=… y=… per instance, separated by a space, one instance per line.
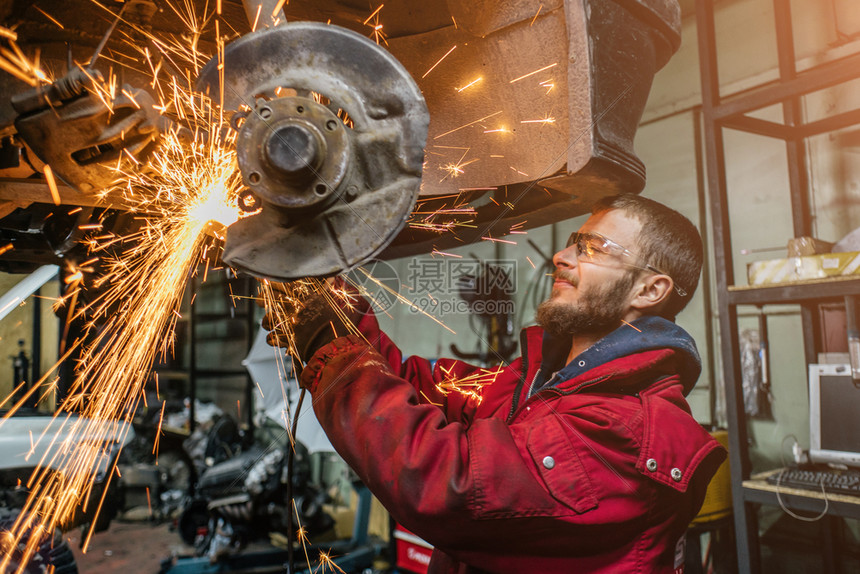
x=535 y=72
x=530 y=262
x=49 y=17
x=456 y=169
x=536 y=15
x=467 y=125
x=470 y=84
x=77 y=276
x=158 y=432
x=5 y=248
x=501 y=130
x=423 y=394
x=629 y=325
x=377 y=34
x=439 y=61
x=471 y=386
x=52 y=184
x=256 y=18
x=8 y=34
x=372 y=14
x=543 y=121
x=327 y=562
x=278 y=7
x=499 y=240
x=548 y=84
x=148 y=501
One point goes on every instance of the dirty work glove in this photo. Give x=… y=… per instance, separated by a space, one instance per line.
x=306 y=319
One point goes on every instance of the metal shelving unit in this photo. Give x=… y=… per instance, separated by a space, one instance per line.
x=189 y=371
x=731 y=112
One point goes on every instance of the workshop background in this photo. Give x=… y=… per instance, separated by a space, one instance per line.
x=216 y=336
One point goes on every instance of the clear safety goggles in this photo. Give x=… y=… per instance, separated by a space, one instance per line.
x=595 y=248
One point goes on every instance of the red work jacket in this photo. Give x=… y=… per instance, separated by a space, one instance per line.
x=598 y=473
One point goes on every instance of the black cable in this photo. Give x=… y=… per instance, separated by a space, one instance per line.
x=291 y=452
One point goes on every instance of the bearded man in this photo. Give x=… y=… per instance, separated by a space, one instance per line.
x=582 y=455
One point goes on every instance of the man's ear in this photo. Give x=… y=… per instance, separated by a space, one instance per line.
x=651 y=292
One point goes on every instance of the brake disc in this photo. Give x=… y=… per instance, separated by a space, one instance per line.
x=330 y=143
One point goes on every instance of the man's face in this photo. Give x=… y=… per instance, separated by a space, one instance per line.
x=591 y=297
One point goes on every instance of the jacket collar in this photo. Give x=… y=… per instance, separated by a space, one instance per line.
x=651 y=344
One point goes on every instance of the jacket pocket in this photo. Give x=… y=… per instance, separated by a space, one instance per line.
x=674 y=445
x=559 y=467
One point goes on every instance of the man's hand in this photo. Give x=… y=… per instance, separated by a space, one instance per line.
x=304 y=317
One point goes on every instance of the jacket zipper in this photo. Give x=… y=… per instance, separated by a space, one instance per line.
x=519 y=389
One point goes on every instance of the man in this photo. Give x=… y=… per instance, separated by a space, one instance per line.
x=582 y=455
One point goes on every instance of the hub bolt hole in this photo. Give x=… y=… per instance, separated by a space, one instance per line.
x=320 y=189
x=254 y=177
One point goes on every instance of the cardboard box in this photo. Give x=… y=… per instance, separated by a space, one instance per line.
x=806 y=268
x=413 y=553
x=803 y=246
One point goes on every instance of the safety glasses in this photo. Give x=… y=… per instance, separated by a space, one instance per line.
x=595 y=248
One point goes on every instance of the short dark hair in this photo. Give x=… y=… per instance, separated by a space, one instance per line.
x=667 y=240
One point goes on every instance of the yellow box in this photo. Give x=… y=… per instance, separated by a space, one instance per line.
x=718 y=497
x=803 y=268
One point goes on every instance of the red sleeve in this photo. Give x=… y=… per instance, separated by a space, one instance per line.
x=427 y=378
x=458 y=485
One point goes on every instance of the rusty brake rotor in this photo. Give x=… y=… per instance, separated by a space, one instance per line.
x=331 y=134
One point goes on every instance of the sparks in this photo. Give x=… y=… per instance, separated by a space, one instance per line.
x=471 y=386
x=376 y=28
x=439 y=61
x=487 y=238
x=456 y=169
x=470 y=84
x=51 y=18
x=548 y=84
x=278 y=7
x=536 y=15
x=543 y=121
x=143 y=278
x=467 y=125
x=533 y=73
x=52 y=184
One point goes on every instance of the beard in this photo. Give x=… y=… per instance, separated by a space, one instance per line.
x=599 y=309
